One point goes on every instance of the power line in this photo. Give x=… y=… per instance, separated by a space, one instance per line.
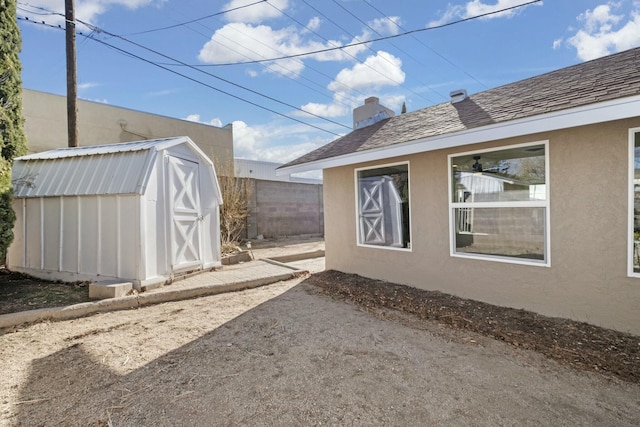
x=127 y=53
x=418 y=30
x=255 y=92
x=427 y=46
x=280 y=66
x=195 y=20
x=325 y=39
x=100 y=30
x=392 y=44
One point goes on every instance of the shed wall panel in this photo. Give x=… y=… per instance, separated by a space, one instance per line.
x=51 y=232
x=128 y=240
x=155 y=217
x=89 y=240
x=33 y=230
x=70 y=227
x=108 y=239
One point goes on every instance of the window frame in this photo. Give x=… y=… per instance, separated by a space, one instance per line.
x=546 y=262
x=631 y=201
x=357 y=206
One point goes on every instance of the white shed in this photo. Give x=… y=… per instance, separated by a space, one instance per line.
x=139 y=211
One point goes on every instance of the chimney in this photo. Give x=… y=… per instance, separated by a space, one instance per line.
x=458 y=95
x=369 y=113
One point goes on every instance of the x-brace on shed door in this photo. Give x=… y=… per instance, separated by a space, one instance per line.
x=184 y=199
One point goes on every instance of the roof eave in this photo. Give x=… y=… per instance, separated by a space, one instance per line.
x=600 y=112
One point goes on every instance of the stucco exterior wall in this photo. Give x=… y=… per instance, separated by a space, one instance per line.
x=46 y=126
x=587 y=277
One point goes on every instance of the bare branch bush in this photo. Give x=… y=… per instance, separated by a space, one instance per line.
x=234 y=210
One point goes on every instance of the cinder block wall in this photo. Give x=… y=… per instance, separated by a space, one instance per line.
x=279 y=208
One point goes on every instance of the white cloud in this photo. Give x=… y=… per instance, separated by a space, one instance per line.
x=386 y=26
x=393 y=101
x=326 y=110
x=314 y=24
x=377 y=71
x=605 y=32
x=85 y=10
x=477 y=7
x=255 y=13
x=196 y=118
x=256 y=142
x=101 y=101
x=239 y=42
x=163 y=92
x=83 y=86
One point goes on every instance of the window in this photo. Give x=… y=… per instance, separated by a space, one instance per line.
x=634 y=202
x=499 y=204
x=383 y=206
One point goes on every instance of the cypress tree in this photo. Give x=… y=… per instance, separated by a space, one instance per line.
x=13 y=142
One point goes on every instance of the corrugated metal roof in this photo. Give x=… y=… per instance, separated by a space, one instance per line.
x=104 y=169
x=122 y=147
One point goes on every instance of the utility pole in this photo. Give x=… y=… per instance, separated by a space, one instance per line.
x=72 y=83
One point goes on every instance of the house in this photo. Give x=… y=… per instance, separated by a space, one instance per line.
x=46 y=126
x=140 y=212
x=523 y=195
x=280 y=205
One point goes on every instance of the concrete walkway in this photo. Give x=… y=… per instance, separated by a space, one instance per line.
x=231 y=278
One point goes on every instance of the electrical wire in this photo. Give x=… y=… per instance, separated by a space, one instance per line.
x=255 y=92
x=345 y=52
x=376 y=32
x=418 y=30
x=429 y=47
x=132 y=55
x=195 y=20
x=96 y=29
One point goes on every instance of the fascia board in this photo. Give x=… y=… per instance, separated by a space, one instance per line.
x=585 y=115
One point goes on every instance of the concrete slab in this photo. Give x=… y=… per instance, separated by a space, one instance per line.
x=231 y=278
x=109 y=289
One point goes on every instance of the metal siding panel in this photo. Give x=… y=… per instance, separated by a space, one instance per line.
x=51 y=222
x=108 y=236
x=32 y=239
x=129 y=242
x=69 y=252
x=88 y=259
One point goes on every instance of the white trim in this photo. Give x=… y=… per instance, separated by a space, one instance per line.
x=504 y=204
x=580 y=116
x=631 y=202
x=357 y=201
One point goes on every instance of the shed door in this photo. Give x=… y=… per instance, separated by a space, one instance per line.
x=185 y=214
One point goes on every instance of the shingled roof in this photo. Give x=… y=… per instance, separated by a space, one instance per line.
x=604 y=79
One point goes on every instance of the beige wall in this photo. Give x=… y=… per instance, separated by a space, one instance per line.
x=587 y=279
x=46 y=126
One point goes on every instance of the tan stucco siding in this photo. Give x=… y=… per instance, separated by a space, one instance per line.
x=46 y=126
x=587 y=277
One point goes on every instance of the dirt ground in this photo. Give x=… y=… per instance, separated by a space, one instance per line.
x=327 y=349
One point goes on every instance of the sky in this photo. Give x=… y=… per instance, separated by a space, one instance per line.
x=288 y=73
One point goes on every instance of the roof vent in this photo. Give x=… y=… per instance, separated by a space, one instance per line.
x=372 y=100
x=458 y=95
